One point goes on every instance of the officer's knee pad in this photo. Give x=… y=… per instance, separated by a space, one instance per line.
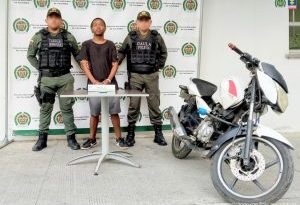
x=48 y=98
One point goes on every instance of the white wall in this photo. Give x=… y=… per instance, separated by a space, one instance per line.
x=3 y=68
x=259 y=28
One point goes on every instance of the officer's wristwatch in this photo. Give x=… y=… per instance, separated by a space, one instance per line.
x=108 y=80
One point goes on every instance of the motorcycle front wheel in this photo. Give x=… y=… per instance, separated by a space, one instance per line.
x=265 y=179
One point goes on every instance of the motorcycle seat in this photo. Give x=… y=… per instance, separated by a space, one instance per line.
x=205 y=88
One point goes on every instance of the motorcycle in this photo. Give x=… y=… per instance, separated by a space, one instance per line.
x=251 y=163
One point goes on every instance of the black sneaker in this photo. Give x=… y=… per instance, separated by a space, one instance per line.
x=89 y=143
x=121 y=143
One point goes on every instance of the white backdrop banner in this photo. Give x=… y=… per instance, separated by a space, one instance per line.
x=178 y=21
x=3 y=68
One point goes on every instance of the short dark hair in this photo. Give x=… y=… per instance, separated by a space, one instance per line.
x=96 y=19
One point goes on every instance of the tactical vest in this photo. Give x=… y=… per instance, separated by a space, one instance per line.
x=143 y=55
x=55 y=51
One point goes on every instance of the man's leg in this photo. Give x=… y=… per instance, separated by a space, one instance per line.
x=91 y=141
x=153 y=101
x=45 y=116
x=120 y=142
x=95 y=107
x=114 y=109
x=45 y=112
x=115 y=120
x=45 y=119
x=94 y=121
x=65 y=83
x=136 y=83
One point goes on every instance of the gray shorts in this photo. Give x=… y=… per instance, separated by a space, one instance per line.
x=95 y=105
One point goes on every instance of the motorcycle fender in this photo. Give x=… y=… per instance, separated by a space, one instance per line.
x=266 y=132
x=261 y=131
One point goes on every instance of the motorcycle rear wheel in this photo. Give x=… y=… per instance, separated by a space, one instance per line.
x=180 y=149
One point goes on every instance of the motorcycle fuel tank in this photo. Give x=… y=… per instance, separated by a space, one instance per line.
x=231 y=92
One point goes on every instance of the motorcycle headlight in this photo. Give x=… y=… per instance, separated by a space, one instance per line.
x=282 y=99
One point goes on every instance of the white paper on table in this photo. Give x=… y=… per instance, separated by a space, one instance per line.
x=105 y=89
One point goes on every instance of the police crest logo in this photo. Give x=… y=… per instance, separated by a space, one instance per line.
x=65 y=24
x=280 y=3
x=190 y=5
x=22 y=72
x=166 y=114
x=80 y=4
x=154 y=5
x=132 y=26
x=169 y=72
x=41 y=4
x=188 y=49
x=21 y=25
x=58 y=118
x=171 y=27
x=22 y=119
x=123 y=98
x=118 y=45
x=81 y=99
x=118 y=5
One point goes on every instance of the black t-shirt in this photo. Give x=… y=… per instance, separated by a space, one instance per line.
x=100 y=58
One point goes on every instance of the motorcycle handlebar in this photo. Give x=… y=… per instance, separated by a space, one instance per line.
x=245 y=57
x=236 y=49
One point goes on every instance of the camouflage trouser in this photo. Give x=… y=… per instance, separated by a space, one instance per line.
x=57 y=85
x=150 y=83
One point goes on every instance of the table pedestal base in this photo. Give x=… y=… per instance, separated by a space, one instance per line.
x=120 y=156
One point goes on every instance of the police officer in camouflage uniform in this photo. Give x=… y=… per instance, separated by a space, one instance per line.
x=54 y=46
x=146 y=53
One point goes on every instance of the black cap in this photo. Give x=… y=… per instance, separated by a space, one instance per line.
x=54 y=11
x=143 y=15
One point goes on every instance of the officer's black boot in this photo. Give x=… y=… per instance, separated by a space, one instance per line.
x=41 y=143
x=159 y=137
x=72 y=143
x=130 y=135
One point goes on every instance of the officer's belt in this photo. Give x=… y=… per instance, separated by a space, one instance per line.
x=48 y=73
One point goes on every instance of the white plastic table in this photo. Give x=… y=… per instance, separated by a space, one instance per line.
x=104 y=153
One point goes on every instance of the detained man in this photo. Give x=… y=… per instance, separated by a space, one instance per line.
x=98 y=59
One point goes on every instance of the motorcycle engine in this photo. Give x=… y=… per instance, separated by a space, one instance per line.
x=205 y=130
x=189 y=117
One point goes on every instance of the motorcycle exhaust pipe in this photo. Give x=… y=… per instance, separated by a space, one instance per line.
x=176 y=126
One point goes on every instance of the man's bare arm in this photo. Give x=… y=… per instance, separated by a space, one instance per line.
x=84 y=64
x=112 y=74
